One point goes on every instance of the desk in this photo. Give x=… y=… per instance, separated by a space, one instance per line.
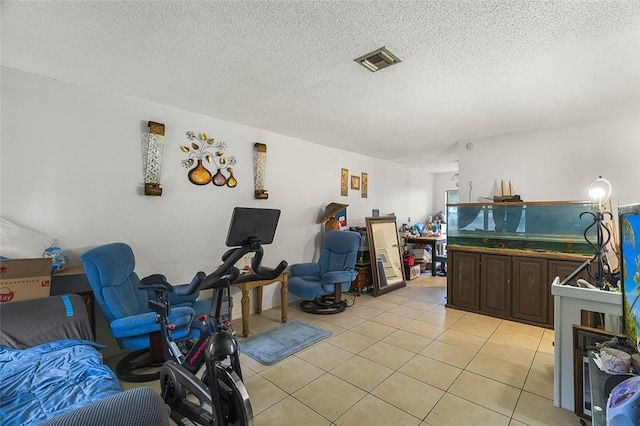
x=246 y=300
x=434 y=242
x=73 y=280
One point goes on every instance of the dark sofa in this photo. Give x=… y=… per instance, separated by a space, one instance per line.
x=51 y=372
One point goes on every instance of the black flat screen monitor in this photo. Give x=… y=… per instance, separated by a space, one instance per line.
x=629 y=222
x=251 y=225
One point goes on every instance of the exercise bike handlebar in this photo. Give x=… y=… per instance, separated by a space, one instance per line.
x=227 y=272
x=259 y=272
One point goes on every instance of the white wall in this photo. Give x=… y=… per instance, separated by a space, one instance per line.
x=556 y=164
x=71 y=166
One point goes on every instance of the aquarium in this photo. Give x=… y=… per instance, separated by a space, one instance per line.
x=629 y=221
x=540 y=226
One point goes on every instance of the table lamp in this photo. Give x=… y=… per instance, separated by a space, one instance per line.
x=599 y=192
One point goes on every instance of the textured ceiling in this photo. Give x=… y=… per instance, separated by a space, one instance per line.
x=470 y=69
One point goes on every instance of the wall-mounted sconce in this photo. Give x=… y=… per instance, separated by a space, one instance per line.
x=152 y=148
x=259 y=166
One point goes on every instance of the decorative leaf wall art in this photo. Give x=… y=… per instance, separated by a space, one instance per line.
x=202 y=149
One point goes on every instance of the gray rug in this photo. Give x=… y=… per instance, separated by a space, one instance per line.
x=271 y=346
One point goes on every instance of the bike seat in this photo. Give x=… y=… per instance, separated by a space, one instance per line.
x=155 y=282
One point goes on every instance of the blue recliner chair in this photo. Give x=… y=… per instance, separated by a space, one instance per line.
x=110 y=271
x=321 y=284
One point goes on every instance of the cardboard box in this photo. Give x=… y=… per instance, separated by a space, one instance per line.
x=23 y=279
x=421 y=254
x=412 y=272
x=425 y=266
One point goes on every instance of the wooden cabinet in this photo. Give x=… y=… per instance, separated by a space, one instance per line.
x=363 y=279
x=510 y=284
x=495 y=287
x=465 y=278
x=531 y=290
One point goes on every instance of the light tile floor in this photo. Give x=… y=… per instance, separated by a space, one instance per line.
x=404 y=359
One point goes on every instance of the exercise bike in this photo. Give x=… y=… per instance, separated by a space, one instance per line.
x=219 y=396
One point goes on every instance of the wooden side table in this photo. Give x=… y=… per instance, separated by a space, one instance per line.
x=246 y=300
x=363 y=279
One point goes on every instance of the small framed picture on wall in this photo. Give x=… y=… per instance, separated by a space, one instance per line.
x=344 y=182
x=355 y=182
x=365 y=185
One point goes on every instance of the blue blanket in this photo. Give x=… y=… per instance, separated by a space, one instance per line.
x=45 y=381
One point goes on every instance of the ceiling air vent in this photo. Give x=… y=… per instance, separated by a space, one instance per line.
x=378 y=60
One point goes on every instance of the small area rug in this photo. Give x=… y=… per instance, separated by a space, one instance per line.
x=272 y=346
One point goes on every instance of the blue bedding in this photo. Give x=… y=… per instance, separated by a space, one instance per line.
x=45 y=381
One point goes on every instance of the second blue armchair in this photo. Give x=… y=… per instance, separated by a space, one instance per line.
x=321 y=284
